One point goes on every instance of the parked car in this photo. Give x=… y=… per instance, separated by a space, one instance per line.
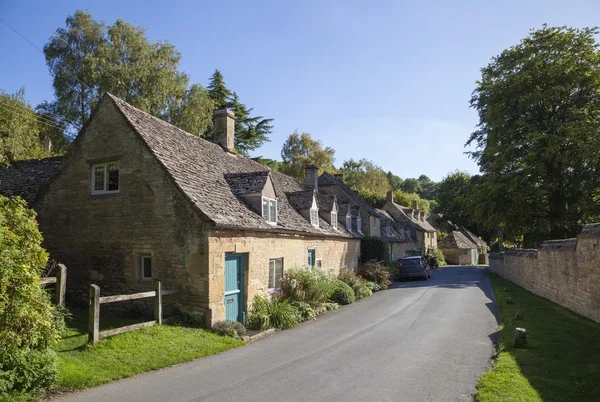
x=413 y=267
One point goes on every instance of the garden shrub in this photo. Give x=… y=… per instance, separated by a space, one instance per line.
x=305 y=311
x=358 y=284
x=28 y=321
x=374 y=248
x=393 y=267
x=229 y=328
x=342 y=293
x=276 y=313
x=331 y=306
x=374 y=271
x=436 y=258
x=313 y=287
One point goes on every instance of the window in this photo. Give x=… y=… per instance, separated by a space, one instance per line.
x=146 y=265
x=334 y=220
x=349 y=223
x=105 y=178
x=269 y=210
x=388 y=231
x=275 y=273
x=359 y=225
x=314 y=217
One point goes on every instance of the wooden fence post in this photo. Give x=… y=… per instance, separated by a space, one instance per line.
x=158 y=302
x=61 y=285
x=94 y=314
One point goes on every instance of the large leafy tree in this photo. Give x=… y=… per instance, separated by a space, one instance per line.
x=250 y=131
x=218 y=91
x=537 y=137
x=395 y=181
x=454 y=197
x=194 y=112
x=364 y=175
x=300 y=150
x=411 y=186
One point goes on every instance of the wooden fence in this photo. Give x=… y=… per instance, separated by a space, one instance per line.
x=61 y=284
x=94 y=310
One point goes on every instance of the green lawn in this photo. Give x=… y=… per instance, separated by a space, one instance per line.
x=82 y=365
x=561 y=361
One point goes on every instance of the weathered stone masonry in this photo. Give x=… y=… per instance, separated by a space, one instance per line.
x=566 y=272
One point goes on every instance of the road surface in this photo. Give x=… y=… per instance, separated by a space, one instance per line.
x=417 y=341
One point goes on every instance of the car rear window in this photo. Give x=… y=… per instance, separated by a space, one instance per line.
x=411 y=263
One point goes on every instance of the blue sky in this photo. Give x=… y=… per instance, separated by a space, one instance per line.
x=388 y=81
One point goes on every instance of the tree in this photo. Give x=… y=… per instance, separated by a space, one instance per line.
x=428 y=187
x=217 y=90
x=194 y=112
x=250 y=132
x=71 y=58
x=28 y=327
x=411 y=186
x=300 y=150
x=56 y=130
x=394 y=181
x=454 y=194
x=537 y=137
x=20 y=129
x=406 y=199
x=364 y=175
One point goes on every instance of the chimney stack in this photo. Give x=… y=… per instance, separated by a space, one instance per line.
x=224 y=128
x=415 y=205
x=422 y=217
x=390 y=196
x=339 y=176
x=311 y=177
x=47 y=145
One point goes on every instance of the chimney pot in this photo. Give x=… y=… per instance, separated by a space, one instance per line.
x=311 y=177
x=390 y=196
x=224 y=128
x=415 y=205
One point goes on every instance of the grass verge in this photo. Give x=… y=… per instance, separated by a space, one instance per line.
x=561 y=361
x=82 y=365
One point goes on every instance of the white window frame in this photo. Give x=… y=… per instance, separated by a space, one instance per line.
x=105 y=189
x=275 y=286
x=359 y=224
x=142 y=274
x=272 y=205
x=349 y=223
x=314 y=217
x=334 y=222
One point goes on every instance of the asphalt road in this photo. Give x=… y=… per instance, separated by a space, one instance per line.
x=418 y=341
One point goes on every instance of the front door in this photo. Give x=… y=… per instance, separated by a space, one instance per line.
x=311 y=258
x=234 y=286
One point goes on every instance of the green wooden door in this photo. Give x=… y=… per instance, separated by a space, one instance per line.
x=311 y=258
x=234 y=287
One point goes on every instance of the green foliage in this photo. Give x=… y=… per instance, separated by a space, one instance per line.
x=436 y=258
x=218 y=91
x=300 y=151
x=27 y=320
x=375 y=271
x=193 y=113
x=365 y=176
x=373 y=199
x=305 y=311
x=229 y=328
x=392 y=266
x=359 y=285
x=312 y=287
x=276 y=313
x=329 y=306
x=342 y=293
x=442 y=235
x=21 y=130
x=403 y=198
x=411 y=186
x=374 y=248
x=454 y=196
x=394 y=181
x=537 y=139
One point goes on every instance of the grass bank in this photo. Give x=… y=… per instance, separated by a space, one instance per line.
x=82 y=365
x=561 y=361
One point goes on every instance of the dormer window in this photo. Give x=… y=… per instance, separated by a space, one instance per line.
x=359 y=224
x=269 y=210
x=349 y=223
x=314 y=217
x=334 y=220
x=105 y=178
x=388 y=231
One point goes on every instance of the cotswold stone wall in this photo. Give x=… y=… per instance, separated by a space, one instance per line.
x=566 y=272
x=333 y=254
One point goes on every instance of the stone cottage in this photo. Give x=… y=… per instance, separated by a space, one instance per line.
x=136 y=198
x=363 y=218
x=458 y=249
x=483 y=250
x=420 y=229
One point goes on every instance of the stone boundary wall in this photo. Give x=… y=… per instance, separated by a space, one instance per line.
x=566 y=272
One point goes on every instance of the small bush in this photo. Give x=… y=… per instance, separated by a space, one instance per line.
x=305 y=311
x=267 y=314
x=436 y=258
x=374 y=248
x=331 y=306
x=373 y=287
x=358 y=284
x=374 y=271
x=392 y=266
x=342 y=293
x=313 y=287
x=29 y=323
x=229 y=328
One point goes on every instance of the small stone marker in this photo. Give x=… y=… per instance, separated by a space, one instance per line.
x=520 y=337
x=509 y=300
x=519 y=315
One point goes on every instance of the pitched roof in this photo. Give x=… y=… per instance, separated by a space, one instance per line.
x=247 y=183
x=327 y=179
x=199 y=168
x=28 y=177
x=456 y=240
x=301 y=199
x=471 y=236
x=325 y=202
x=410 y=215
